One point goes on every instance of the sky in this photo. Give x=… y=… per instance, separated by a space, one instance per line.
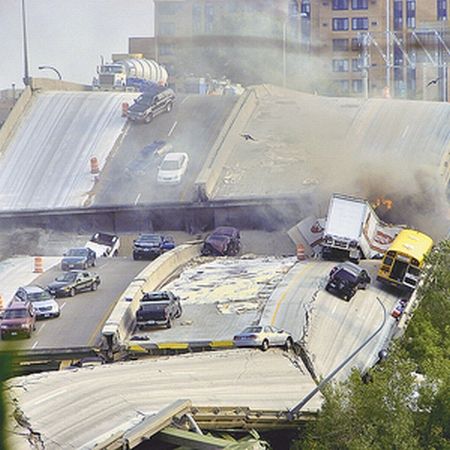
x=70 y=35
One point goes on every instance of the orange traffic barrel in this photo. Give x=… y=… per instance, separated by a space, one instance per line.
x=386 y=92
x=124 y=109
x=2 y=303
x=94 y=165
x=38 y=266
x=301 y=252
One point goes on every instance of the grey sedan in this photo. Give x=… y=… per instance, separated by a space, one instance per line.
x=263 y=337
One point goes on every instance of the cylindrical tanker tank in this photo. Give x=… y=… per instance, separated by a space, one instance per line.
x=145 y=69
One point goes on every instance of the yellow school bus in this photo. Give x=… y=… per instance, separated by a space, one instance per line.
x=403 y=261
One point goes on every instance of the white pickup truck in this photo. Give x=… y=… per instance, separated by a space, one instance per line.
x=104 y=244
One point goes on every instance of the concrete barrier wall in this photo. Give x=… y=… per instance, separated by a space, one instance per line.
x=48 y=84
x=121 y=322
x=14 y=117
x=225 y=143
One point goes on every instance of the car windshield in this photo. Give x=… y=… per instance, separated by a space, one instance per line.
x=15 y=313
x=77 y=252
x=103 y=239
x=38 y=296
x=346 y=275
x=170 y=165
x=149 y=238
x=252 y=330
x=155 y=296
x=68 y=276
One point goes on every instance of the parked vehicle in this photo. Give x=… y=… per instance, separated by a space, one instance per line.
x=399 y=309
x=353 y=231
x=104 y=244
x=19 y=319
x=172 y=168
x=71 y=283
x=345 y=279
x=44 y=304
x=223 y=241
x=147 y=158
x=263 y=337
x=151 y=103
x=156 y=309
x=78 y=258
x=150 y=246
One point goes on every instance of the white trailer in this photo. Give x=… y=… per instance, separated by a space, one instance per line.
x=354 y=231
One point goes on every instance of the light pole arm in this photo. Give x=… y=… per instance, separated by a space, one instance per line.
x=51 y=68
x=293 y=411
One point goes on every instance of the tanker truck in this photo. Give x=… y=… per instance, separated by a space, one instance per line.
x=129 y=72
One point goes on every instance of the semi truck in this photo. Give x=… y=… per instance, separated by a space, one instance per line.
x=354 y=231
x=133 y=71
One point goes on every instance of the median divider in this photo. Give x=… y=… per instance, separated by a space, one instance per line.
x=142 y=348
x=122 y=320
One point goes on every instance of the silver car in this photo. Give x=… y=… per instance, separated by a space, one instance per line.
x=264 y=337
x=43 y=302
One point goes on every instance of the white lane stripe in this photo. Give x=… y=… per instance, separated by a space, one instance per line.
x=34 y=345
x=62 y=306
x=42 y=327
x=48 y=397
x=173 y=128
x=137 y=198
x=184 y=99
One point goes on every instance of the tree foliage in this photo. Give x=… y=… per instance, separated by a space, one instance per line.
x=406 y=405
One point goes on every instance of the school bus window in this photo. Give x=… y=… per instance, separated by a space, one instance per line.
x=388 y=261
x=414 y=271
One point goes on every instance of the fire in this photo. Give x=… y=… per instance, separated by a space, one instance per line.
x=381 y=201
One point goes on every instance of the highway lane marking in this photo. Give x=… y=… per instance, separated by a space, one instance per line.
x=173 y=128
x=288 y=288
x=62 y=306
x=137 y=198
x=42 y=327
x=47 y=397
x=185 y=99
x=34 y=345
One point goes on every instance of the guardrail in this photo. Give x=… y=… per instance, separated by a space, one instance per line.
x=123 y=317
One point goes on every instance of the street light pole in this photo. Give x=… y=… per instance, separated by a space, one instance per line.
x=51 y=68
x=388 y=44
x=26 y=75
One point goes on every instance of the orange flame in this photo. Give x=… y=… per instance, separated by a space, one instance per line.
x=381 y=201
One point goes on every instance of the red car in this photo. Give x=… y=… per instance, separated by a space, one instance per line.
x=19 y=319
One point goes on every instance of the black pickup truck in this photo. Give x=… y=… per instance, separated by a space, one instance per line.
x=158 y=309
x=150 y=246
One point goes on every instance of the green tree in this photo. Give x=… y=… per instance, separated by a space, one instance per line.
x=5 y=373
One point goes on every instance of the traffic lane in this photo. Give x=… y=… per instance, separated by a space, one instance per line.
x=83 y=316
x=199 y=323
x=191 y=127
x=337 y=328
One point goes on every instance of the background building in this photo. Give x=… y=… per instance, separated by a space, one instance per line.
x=335 y=47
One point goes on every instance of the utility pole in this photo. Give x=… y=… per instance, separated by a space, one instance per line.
x=388 y=44
x=26 y=75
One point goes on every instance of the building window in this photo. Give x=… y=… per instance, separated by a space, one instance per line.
x=360 y=23
x=356 y=65
x=342 y=86
x=339 y=5
x=169 y=9
x=340 y=65
x=166 y=29
x=360 y=4
x=356 y=45
x=306 y=9
x=166 y=49
x=340 y=45
x=442 y=9
x=357 y=86
x=411 y=13
x=209 y=17
x=196 y=18
x=340 y=24
x=398 y=15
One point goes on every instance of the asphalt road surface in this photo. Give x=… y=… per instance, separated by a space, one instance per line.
x=83 y=316
x=191 y=127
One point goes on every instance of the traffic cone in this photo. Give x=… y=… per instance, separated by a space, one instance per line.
x=38 y=267
x=2 y=303
x=94 y=165
x=124 y=109
x=386 y=92
x=301 y=252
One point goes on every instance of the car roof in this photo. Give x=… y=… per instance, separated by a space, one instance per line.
x=32 y=289
x=175 y=156
x=18 y=305
x=351 y=267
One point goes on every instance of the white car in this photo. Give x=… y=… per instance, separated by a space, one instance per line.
x=172 y=168
x=264 y=337
x=104 y=244
x=44 y=303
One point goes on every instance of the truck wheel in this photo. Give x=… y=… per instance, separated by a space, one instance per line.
x=265 y=345
x=169 y=323
x=94 y=286
x=180 y=311
x=72 y=292
x=288 y=344
x=169 y=107
x=149 y=118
